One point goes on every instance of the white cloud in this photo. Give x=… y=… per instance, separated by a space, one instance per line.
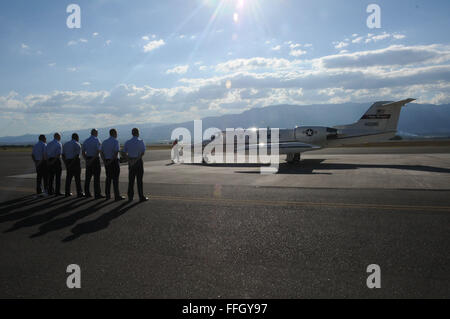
x=391 y=56
x=399 y=36
x=86 y=83
x=297 y=53
x=340 y=45
x=376 y=38
x=369 y=38
x=181 y=69
x=108 y=42
x=252 y=64
x=24 y=46
x=95 y=34
x=276 y=48
x=72 y=69
x=145 y=38
x=394 y=72
x=153 y=45
x=75 y=42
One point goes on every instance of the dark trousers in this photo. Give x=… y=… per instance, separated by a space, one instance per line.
x=135 y=171
x=112 y=169
x=93 y=168
x=54 y=175
x=41 y=177
x=73 y=167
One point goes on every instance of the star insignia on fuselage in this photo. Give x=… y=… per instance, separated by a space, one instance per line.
x=309 y=132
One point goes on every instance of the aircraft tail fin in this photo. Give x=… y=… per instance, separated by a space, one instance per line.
x=381 y=116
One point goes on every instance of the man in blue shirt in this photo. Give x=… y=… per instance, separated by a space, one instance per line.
x=135 y=150
x=91 y=154
x=110 y=155
x=71 y=157
x=39 y=156
x=54 y=152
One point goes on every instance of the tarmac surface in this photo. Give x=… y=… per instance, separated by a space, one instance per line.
x=227 y=231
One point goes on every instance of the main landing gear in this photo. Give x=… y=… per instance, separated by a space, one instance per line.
x=293 y=158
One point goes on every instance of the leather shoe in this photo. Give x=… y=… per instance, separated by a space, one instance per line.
x=99 y=196
x=119 y=198
x=143 y=199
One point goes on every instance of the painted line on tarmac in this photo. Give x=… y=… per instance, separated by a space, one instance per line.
x=13 y=189
x=299 y=204
x=225 y=201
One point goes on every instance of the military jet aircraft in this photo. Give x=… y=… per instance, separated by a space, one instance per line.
x=378 y=124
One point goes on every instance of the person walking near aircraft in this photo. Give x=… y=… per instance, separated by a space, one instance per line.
x=175 y=152
x=54 y=152
x=39 y=156
x=71 y=157
x=91 y=154
x=110 y=156
x=135 y=150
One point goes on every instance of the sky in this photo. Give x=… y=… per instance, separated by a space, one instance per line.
x=179 y=60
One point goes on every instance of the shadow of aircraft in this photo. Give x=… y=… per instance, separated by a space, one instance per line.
x=100 y=223
x=311 y=166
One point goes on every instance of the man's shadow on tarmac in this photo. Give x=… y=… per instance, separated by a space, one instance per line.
x=99 y=223
x=25 y=212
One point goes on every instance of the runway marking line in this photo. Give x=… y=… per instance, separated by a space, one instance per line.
x=301 y=204
x=276 y=203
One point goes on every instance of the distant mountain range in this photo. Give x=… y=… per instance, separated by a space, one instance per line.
x=416 y=120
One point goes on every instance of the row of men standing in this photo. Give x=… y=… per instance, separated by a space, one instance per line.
x=47 y=159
